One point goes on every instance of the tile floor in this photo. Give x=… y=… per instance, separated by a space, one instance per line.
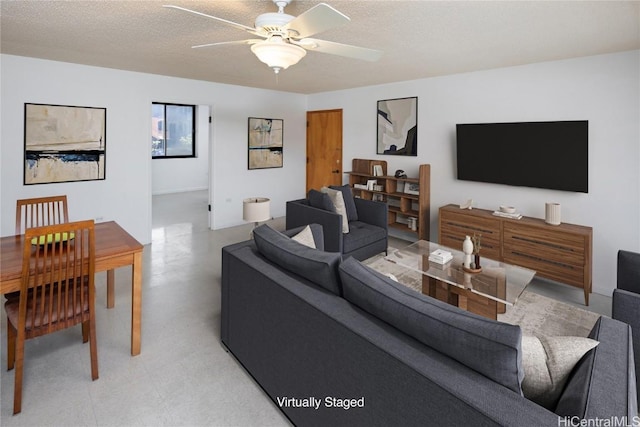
x=183 y=377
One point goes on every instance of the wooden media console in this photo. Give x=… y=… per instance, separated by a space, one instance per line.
x=558 y=252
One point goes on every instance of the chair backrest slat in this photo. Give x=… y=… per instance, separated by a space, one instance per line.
x=41 y=211
x=59 y=275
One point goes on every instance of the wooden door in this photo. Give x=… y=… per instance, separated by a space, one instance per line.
x=324 y=148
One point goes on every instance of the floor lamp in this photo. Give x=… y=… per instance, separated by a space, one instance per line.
x=256 y=209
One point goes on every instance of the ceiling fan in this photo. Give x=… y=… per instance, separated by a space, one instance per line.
x=285 y=38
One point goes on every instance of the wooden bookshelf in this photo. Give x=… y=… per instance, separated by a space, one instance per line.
x=402 y=205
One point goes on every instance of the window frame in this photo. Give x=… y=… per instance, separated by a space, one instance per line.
x=194 y=112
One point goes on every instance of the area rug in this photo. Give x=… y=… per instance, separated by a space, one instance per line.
x=536 y=314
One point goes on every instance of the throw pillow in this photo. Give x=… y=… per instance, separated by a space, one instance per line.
x=391 y=276
x=349 y=203
x=547 y=363
x=305 y=237
x=338 y=202
x=320 y=200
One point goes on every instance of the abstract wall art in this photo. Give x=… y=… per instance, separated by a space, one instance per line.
x=64 y=143
x=398 y=127
x=265 y=143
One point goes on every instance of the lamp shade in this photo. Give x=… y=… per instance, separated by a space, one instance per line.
x=277 y=53
x=256 y=209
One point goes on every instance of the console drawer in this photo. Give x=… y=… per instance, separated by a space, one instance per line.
x=554 y=254
x=454 y=227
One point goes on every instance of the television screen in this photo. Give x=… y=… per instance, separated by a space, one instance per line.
x=552 y=155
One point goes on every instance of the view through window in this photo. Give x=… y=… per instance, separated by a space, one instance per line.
x=173 y=130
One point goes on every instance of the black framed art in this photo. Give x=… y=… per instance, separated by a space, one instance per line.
x=64 y=143
x=265 y=143
x=398 y=127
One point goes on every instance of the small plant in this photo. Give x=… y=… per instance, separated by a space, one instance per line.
x=476 y=239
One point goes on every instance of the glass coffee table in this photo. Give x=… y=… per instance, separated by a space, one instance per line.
x=486 y=293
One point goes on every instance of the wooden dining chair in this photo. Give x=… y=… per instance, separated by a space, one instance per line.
x=38 y=212
x=41 y=211
x=57 y=291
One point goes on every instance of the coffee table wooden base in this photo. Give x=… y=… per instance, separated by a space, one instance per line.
x=462 y=298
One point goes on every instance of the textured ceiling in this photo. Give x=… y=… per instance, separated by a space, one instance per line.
x=419 y=38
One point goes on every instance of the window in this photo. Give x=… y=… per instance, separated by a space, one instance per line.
x=173 y=130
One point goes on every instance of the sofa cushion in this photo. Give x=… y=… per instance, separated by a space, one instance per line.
x=489 y=347
x=317 y=266
x=349 y=203
x=360 y=235
x=547 y=363
x=338 y=203
x=320 y=200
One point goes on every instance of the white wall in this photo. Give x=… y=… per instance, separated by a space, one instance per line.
x=125 y=195
x=188 y=174
x=602 y=89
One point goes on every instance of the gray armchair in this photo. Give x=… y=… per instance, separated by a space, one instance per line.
x=367 y=236
x=626 y=300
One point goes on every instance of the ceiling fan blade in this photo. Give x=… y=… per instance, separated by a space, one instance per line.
x=340 y=49
x=316 y=20
x=224 y=21
x=248 y=41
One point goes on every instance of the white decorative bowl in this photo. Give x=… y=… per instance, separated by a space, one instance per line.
x=507 y=209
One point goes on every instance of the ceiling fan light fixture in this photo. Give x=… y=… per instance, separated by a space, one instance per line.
x=287 y=37
x=278 y=55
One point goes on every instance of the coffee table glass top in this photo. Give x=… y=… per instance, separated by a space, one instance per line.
x=498 y=281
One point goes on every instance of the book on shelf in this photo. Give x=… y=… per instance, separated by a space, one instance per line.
x=412 y=188
x=514 y=215
x=440 y=256
x=360 y=186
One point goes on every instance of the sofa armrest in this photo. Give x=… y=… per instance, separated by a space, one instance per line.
x=374 y=213
x=603 y=383
x=626 y=307
x=300 y=213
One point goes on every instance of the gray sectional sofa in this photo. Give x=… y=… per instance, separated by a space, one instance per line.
x=333 y=342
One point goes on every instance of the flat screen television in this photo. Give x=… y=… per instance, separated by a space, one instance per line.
x=551 y=155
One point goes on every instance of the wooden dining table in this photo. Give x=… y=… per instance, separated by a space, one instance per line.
x=115 y=248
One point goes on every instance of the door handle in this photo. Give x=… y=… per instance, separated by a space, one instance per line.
x=336 y=171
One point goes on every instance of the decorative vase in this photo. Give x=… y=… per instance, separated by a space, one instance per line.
x=552 y=213
x=477 y=265
x=467 y=248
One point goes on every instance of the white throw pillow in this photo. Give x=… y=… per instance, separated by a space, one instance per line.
x=391 y=276
x=547 y=363
x=305 y=237
x=338 y=203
